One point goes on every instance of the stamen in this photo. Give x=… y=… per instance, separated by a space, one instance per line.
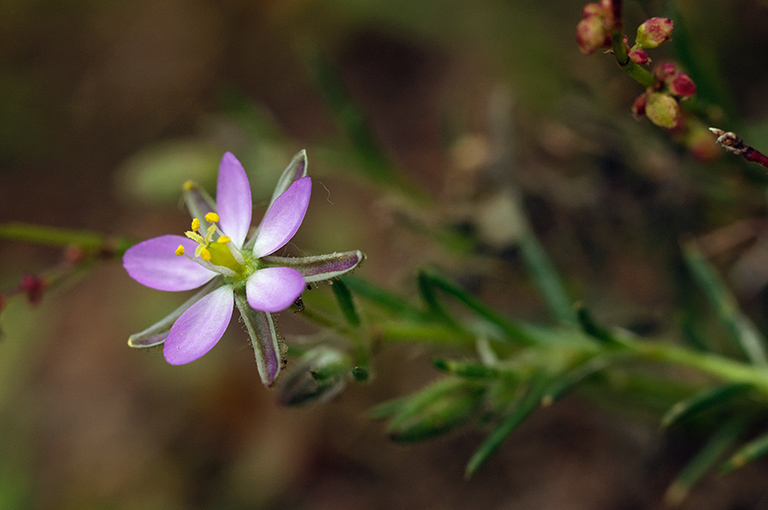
x=205 y=254
x=195 y=224
x=209 y=233
x=211 y=217
x=223 y=240
x=179 y=251
x=189 y=185
x=195 y=237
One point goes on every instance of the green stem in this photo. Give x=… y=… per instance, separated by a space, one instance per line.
x=710 y=364
x=635 y=71
x=87 y=241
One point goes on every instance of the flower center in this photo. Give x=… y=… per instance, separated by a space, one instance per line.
x=216 y=251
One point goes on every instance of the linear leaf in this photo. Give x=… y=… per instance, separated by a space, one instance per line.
x=526 y=405
x=707 y=399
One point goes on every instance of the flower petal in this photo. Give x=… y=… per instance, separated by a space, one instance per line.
x=233 y=199
x=154 y=263
x=284 y=218
x=158 y=332
x=200 y=327
x=319 y=267
x=264 y=339
x=274 y=289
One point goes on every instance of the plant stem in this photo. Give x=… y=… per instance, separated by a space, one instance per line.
x=717 y=366
x=733 y=143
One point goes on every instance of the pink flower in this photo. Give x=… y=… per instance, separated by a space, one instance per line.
x=214 y=254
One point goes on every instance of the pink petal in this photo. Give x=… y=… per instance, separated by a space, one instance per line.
x=274 y=289
x=233 y=199
x=284 y=218
x=200 y=327
x=154 y=263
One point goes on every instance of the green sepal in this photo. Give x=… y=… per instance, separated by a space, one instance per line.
x=199 y=203
x=319 y=267
x=295 y=170
x=264 y=339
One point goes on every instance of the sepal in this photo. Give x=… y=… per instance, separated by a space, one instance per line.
x=320 y=267
x=295 y=170
x=199 y=203
x=264 y=339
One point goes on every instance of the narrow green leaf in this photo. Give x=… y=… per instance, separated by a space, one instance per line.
x=428 y=294
x=742 y=329
x=383 y=298
x=717 y=446
x=510 y=328
x=436 y=409
x=544 y=274
x=473 y=370
x=387 y=409
x=572 y=378
x=526 y=405
x=707 y=399
x=346 y=304
x=592 y=328
x=746 y=454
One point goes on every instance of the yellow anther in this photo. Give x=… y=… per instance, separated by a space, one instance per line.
x=212 y=217
x=195 y=224
x=179 y=251
x=189 y=185
x=223 y=240
x=205 y=254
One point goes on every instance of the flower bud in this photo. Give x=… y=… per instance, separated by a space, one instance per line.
x=638 y=56
x=663 y=110
x=681 y=85
x=591 y=34
x=320 y=374
x=439 y=408
x=664 y=71
x=653 y=32
x=638 y=107
x=33 y=286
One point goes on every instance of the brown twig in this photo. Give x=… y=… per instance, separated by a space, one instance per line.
x=732 y=143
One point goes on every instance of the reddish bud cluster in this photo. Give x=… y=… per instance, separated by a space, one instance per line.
x=33 y=286
x=593 y=31
x=661 y=102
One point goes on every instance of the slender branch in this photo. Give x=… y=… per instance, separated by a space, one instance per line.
x=733 y=143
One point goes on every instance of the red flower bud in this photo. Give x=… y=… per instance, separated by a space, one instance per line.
x=638 y=56
x=33 y=286
x=681 y=85
x=653 y=32
x=664 y=71
x=638 y=107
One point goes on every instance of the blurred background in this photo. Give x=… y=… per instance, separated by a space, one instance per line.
x=404 y=107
